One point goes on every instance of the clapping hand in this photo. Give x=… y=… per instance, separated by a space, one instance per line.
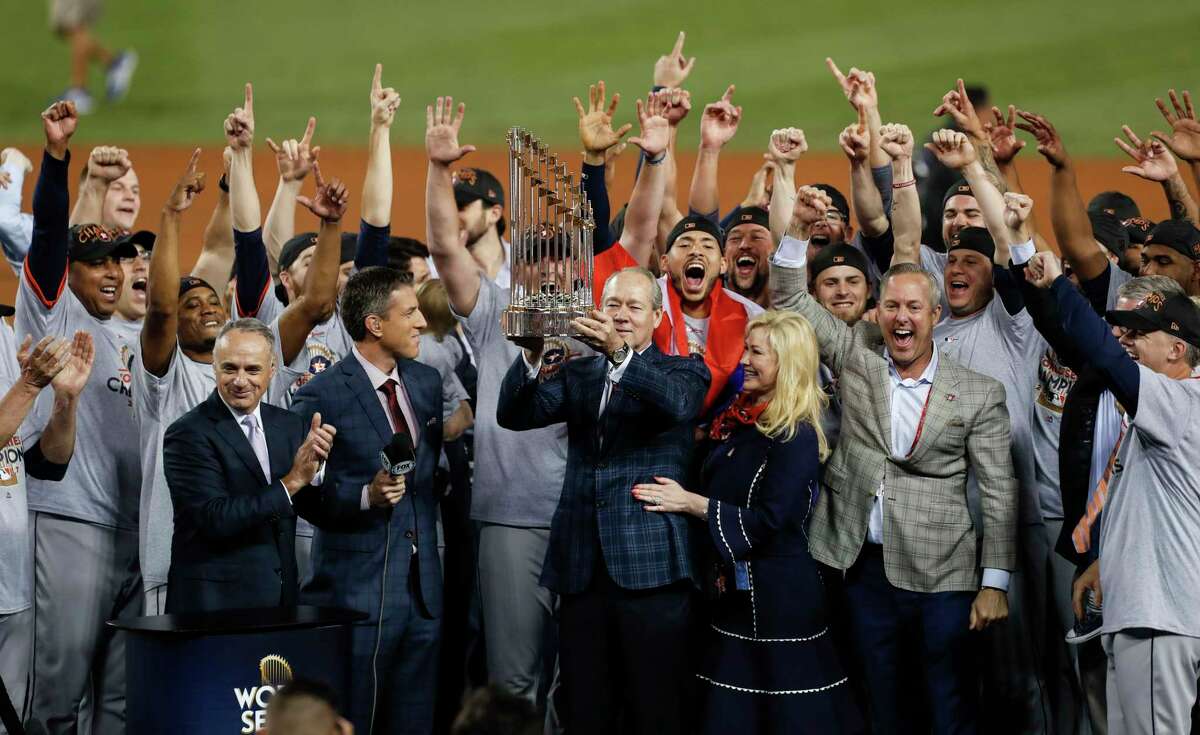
x=441 y=131
x=329 y=201
x=1184 y=140
x=671 y=70
x=69 y=381
x=313 y=451
x=953 y=149
x=720 y=120
x=1002 y=133
x=239 y=125
x=1154 y=161
x=595 y=123
x=41 y=363
x=293 y=158
x=188 y=186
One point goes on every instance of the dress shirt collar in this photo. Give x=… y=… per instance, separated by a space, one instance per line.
x=926 y=376
x=374 y=374
x=239 y=415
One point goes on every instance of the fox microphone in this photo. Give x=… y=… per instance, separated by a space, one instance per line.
x=398 y=457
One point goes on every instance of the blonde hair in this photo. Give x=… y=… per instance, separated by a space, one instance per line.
x=798 y=398
x=434 y=303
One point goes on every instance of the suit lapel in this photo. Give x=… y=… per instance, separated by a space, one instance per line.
x=359 y=385
x=940 y=407
x=416 y=398
x=232 y=434
x=877 y=371
x=277 y=445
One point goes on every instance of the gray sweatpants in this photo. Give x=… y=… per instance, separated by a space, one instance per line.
x=517 y=611
x=84 y=575
x=16 y=647
x=1151 y=682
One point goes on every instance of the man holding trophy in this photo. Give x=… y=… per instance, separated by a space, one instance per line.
x=624 y=575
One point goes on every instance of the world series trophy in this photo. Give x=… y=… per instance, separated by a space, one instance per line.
x=551 y=255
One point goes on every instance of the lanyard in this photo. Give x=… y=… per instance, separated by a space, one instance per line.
x=921 y=422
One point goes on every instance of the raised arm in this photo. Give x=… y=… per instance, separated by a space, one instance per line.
x=597 y=136
x=251 y=263
x=1184 y=139
x=679 y=104
x=1154 y=162
x=215 y=261
x=159 y=335
x=46 y=263
x=455 y=266
x=645 y=203
x=718 y=125
x=316 y=302
x=105 y=165
x=294 y=159
x=954 y=151
x=1068 y=217
x=861 y=93
x=856 y=143
x=896 y=142
x=784 y=148
x=377 y=187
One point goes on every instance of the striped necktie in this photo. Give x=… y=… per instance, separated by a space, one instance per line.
x=1081 y=537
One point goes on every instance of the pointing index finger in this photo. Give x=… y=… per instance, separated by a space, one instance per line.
x=678 y=50
x=310 y=129
x=248 y=106
x=837 y=73
x=377 y=82
x=728 y=93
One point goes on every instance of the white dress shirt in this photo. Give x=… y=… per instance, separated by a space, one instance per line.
x=239 y=417
x=614 y=375
x=378 y=378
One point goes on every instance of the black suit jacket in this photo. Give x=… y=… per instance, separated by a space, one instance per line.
x=353 y=549
x=234 y=542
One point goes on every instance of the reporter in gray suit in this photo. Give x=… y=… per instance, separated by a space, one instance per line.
x=894 y=512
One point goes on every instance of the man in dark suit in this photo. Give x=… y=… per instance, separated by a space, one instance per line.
x=624 y=574
x=236 y=468
x=375 y=548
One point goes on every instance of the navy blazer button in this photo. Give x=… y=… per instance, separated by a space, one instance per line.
x=409 y=535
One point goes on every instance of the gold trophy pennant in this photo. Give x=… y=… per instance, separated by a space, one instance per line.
x=551 y=256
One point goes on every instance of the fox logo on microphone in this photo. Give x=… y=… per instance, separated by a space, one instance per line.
x=274 y=673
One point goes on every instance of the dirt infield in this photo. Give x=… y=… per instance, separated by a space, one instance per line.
x=159 y=167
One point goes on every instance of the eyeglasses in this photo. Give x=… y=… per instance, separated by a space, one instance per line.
x=834 y=216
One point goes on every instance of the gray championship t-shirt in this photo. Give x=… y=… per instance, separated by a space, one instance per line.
x=158 y=403
x=1052 y=381
x=104 y=480
x=1005 y=347
x=1150 y=537
x=518 y=475
x=16 y=578
x=443 y=356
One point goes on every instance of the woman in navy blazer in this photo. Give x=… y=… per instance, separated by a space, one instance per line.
x=769 y=664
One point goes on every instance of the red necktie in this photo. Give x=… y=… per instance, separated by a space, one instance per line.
x=389 y=389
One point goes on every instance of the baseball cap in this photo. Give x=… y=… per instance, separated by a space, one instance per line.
x=187 y=283
x=6 y=310
x=1177 y=234
x=1114 y=202
x=977 y=239
x=475 y=183
x=839 y=200
x=1138 y=229
x=958 y=187
x=1109 y=231
x=294 y=248
x=92 y=242
x=1176 y=315
x=840 y=254
x=749 y=216
x=695 y=223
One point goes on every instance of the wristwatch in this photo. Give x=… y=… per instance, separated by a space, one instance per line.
x=618 y=356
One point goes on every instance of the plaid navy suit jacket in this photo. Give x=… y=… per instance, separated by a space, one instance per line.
x=647 y=432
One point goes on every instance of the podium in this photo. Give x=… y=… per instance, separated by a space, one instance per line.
x=206 y=673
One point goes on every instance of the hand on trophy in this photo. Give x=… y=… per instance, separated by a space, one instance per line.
x=656 y=130
x=595 y=125
x=441 y=132
x=598 y=332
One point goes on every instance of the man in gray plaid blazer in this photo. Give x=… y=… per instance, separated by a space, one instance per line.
x=894 y=512
x=624 y=574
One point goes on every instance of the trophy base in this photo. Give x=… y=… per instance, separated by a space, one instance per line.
x=516 y=322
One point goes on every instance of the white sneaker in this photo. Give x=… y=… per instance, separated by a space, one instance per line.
x=84 y=104
x=120 y=75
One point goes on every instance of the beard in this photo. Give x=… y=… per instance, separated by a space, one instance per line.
x=758 y=285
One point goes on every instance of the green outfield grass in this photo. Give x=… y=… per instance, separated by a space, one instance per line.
x=1089 y=67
